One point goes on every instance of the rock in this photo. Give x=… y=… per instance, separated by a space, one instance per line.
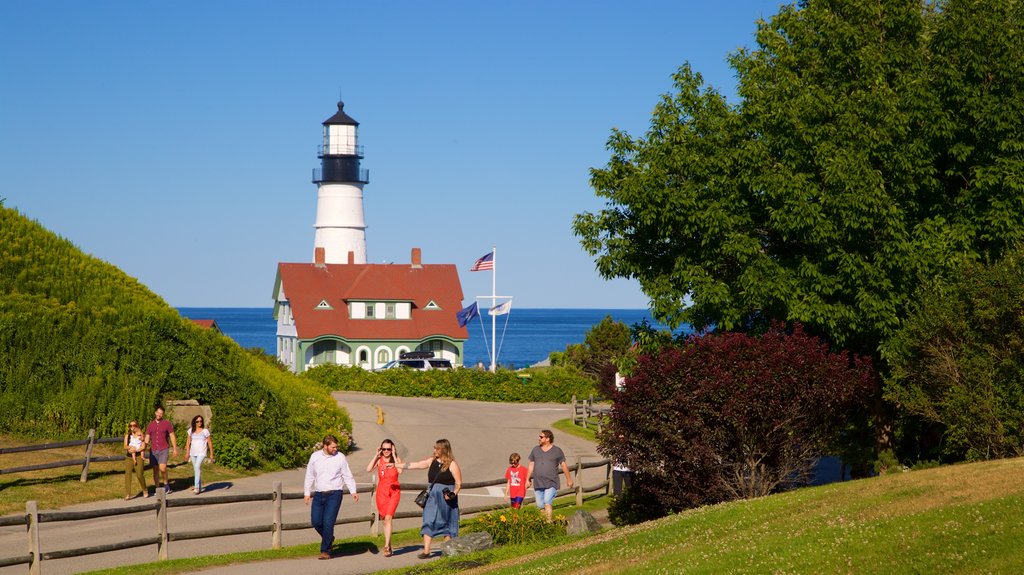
x=582 y=523
x=467 y=543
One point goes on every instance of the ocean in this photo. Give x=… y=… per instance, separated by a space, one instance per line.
x=527 y=337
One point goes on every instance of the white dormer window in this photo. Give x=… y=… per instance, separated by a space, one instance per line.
x=370 y=309
x=323 y=305
x=431 y=305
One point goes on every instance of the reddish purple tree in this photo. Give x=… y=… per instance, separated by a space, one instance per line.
x=731 y=415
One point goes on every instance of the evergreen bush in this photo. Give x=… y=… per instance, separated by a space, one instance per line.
x=553 y=384
x=83 y=345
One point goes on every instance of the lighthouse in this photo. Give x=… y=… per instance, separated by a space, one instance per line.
x=340 y=226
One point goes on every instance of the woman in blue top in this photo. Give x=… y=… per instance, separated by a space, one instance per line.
x=441 y=514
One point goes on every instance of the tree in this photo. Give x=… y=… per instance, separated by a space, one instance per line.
x=958 y=364
x=603 y=345
x=875 y=145
x=730 y=415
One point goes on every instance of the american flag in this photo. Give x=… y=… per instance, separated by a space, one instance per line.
x=484 y=263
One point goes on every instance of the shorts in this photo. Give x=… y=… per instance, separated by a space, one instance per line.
x=517 y=502
x=158 y=456
x=545 y=496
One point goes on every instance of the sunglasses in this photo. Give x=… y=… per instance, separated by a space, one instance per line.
x=385 y=449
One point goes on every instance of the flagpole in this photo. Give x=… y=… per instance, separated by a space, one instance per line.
x=494 y=302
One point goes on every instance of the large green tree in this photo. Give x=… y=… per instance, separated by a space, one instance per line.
x=958 y=365
x=874 y=145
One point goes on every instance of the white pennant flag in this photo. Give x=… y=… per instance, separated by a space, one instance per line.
x=501 y=309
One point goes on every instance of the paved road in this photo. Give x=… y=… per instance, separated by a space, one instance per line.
x=482 y=436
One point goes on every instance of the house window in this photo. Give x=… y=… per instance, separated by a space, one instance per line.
x=390 y=311
x=323 y=305
x=382 y=357
x=363 y=356
x=370 y=310
x=432 y=305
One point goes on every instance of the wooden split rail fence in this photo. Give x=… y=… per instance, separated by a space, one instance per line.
x=587 y=413
x=33 y=518
x=89 y=442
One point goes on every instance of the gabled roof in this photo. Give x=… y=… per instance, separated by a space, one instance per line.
x=206 y=323
x=307 y=285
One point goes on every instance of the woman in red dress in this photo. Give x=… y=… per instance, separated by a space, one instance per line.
x=389 y=492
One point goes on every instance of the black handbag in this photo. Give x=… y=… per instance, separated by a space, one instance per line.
x=421 y=499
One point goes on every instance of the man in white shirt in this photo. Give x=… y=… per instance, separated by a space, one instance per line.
x=325 y=472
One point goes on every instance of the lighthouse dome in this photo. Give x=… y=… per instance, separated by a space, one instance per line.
x=341 y=118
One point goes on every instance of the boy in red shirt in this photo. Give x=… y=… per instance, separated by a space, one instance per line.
x=515 y=481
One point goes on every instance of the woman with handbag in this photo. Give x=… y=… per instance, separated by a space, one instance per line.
x=441 y=512
x=389 y=492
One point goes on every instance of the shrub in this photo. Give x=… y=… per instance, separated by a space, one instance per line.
x=635 y=505
x=887 y=463
x=515 y=526
x=730 y=415
x=83 y=345
x=552 y=384
x=958 y=365
x=596 y=357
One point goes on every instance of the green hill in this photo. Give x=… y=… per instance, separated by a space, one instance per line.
x=83 y=345
x=956 y=519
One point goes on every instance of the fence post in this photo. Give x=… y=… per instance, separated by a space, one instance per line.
x=88 y=455
x=32 y=513
x=576 y=480
x=374 y=515
x=161 y=520
x=574 y=409
x=276 y=544
x=608 y=478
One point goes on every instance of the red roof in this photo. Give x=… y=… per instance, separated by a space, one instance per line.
x=306 y=285
x=206 y=323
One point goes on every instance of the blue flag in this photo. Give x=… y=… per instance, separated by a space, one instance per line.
x=466 y=314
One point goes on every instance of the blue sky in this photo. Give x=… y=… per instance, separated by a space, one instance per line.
x=176 y=139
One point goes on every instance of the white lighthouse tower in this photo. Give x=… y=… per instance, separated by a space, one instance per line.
x=340 y=226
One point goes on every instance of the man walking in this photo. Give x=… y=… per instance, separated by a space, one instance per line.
x=325 y=472
x=158 y=433
x=545 y=460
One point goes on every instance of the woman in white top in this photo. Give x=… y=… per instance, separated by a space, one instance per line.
x=197 y=446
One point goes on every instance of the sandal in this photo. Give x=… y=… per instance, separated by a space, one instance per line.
x=387 y=551
x=423 y=556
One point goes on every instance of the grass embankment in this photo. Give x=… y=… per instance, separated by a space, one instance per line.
x=957 y=519
x=60 y=487
x=352 y=546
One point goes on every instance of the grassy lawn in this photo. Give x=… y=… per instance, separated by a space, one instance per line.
x=352 y=546
x=567 y=426
x=957 y=519
x=59 y=487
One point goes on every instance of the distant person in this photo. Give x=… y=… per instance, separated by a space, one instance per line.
x=545 y=460
x=515 y=481
x=197 y=446
x=389 y=491
x=326 y=471
x=441 y=514
x=622 y=477
x=134 y=459
x=158 y=433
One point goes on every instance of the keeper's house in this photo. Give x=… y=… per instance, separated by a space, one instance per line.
x=366 y=314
